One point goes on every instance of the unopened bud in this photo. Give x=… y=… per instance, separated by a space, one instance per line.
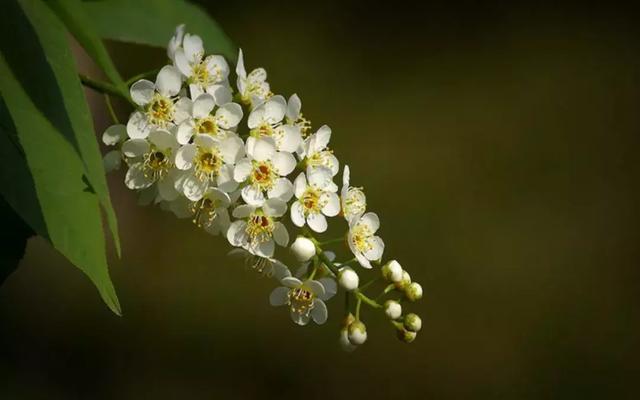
x=393 y=309
x=357 y=333
x=412 y=322
x=404 y=282
x=406 y=336
x=392 y=271
x=348 y=278
x=344 y=341
x=303 y=249
x=413 y=291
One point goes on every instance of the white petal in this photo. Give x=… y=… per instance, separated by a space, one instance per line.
x=203 y=105
x=193 y=188
x=280 y=234
x=217 y=64
x=137 y=126
x=363 y=260
x=205 y=141
x=279 y=296
x=291 y=282
x=317 y=222
x=284 y=162
x=182 y=63
x=218 y=195
x=258 y=75
x=114 y=134
x=163 y=139
x=297 y=215
x=185 y=156
x=135 y=147
x=300 y=185
x=240 y=71
x=169 y=81
x=294 y=105
x=274 y=207
x=186 y=131
x=377 y=248
x=282 y=189
x=112 y=160
x=183 y=110
x=195 y=90
x=220 y=93
x=319 y=312
x=252 y=195
x=274 y=109
x=299 y=319
x=225 y=179
x=332 y=207
x=291 y=138
x=237 y=235
x=263 y=249
x=263 y=149
x=193 y=48
x=243 y=211
x=135 y=178
x=330 y=288
x=242 y=170
x=321 y=138
x=346 y=176
x=142 y=92
x=256 y=117
x=229 y=115
x=371 y=220
x=319 y=177
x=166 y=189
x=231 y=149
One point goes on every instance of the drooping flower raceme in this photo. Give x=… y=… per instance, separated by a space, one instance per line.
x=227 y=160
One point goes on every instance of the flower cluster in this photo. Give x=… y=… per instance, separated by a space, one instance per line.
x=242 y=162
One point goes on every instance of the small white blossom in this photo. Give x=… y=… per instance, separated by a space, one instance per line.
x=157 y=103
x=294 y=115
x=304 y=298
x=316 y=153
x=257 y=229
x=348 y=279
x=392 y=309
x=266 y=121
x=211 y=211
x=203 y=74
x=253 y=88
x=316 y=198
x=201 y=121
x=303 y=249
x=264 y=170
x=113 y=136
x=363 y=243
x=267 y=266
x=353 y=200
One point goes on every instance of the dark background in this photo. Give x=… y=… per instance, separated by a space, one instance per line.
x=499 y=145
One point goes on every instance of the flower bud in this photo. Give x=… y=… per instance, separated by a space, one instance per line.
x=344 y=341
x=413 y=291
x=406 y=336
x=393 y=309
x=357 y=333
x=404 y=282
x=392 y=271
x=412 y=322
x=303 y=249
x=348 y=278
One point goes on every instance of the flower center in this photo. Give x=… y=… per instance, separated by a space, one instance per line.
x=360 y=235
x=207 y=125
x=301 y=300
x=259 y=227
x=355 y=202
x=204 y=211
x=263 y=130
x=208 y=163
x=160 y=110
x=302 y=123
x=311 y=200
x=263 y=175
x=321 y=159
x=156 y=164
x=200 y=74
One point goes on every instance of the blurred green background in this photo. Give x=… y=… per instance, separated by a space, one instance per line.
x=498 y=143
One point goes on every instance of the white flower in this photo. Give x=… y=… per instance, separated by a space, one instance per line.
x=152 y=161
x=303 y=249
x=357 y=333
x=316 y=198
x=354 y=202
x=269 y=267
x=200 y=120
x=211 y=211
x=203 y=74
x=264 y=170
x=364 y=245
x=266 y=121
x=113 y=136
x=294 y=115
x=392 y=309
x=257 y=230
x=156 y=100
x=175 y=43
x=209 y=161
x=304 y=298
x=348 y=278
x=253 y=88
x=316 y=153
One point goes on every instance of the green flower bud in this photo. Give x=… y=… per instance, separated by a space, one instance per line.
x=412 y=322
x=357 y=333
x=392 y=271
x=406 y=336
x=413 y=291
x=404 y=282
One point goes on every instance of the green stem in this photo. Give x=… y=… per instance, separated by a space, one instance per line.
x=331 y=241
x=358 y=303
x=386 y=290
x=114 y=117
x=104 y=87
x=367 y=300
x=366 y=285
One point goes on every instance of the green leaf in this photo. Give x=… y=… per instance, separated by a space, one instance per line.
x=13 y=239
x=74 y=16
x=50 y=79
x=35 y=59
x=152 y=22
